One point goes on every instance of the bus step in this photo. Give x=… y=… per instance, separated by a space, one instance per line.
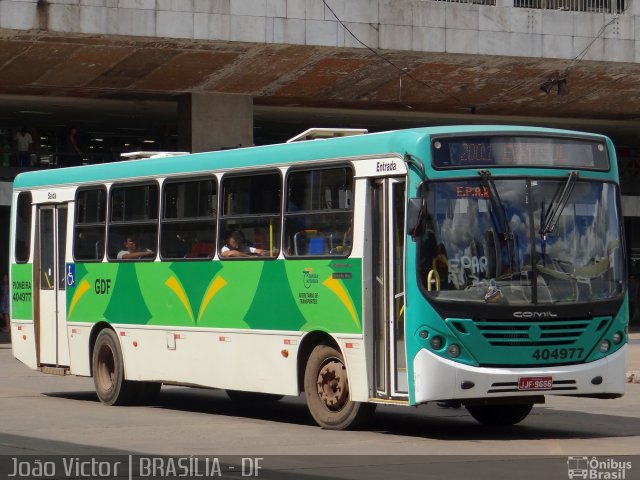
x=55 y=370
x=389 y=401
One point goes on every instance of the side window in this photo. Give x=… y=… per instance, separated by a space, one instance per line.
x=133 y=226
x=89 y=226
x=188 y=227
x=250 y=220
x=23 y=228
x=319 y=212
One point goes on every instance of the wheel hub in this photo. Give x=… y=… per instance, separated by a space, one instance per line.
x=106 y=368
x=333 y=388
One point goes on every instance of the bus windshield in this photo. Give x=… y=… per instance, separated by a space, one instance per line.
x=521 y=241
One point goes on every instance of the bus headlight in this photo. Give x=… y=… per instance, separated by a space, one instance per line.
x=617 y=338
x=436 y=342
x=605 y=345
x=453 y=350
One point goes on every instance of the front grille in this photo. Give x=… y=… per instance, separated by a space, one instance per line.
x=532 y=333
x=527 y=342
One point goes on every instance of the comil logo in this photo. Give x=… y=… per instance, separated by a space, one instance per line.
x=527 y=314
x=597 y=469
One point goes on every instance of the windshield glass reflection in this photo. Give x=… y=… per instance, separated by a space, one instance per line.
x=521 y=241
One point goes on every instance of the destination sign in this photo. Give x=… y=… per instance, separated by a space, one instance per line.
x=522 y=151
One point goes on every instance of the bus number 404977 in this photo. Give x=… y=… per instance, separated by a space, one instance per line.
x=557 y=354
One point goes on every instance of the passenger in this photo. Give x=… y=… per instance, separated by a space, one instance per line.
x=236 y=246
x=131 y=251
x=202 y=249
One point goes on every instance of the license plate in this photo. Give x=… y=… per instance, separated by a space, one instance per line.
x=535 y=383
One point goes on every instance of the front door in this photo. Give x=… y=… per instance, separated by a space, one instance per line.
x=53 y=347
x=388 y=264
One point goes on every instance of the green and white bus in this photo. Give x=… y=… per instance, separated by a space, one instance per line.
x=482 y=265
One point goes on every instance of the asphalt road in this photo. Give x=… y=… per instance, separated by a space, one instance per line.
x=48 y=415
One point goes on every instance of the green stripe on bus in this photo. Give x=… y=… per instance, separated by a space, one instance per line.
x=287 y=295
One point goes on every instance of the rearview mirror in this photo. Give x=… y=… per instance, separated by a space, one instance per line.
x=415 y=217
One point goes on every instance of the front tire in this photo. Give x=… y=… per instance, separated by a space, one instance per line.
x=500 y=415
x=108 y=371
x=326 y=387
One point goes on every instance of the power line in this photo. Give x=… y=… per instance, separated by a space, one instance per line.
x=576 y=60
x=402 y=71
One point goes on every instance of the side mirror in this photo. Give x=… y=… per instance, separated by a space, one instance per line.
x=415 y=217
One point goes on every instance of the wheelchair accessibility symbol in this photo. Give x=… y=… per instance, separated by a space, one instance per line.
x=71 y=275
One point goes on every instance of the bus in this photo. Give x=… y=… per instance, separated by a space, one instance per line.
x=479 y=265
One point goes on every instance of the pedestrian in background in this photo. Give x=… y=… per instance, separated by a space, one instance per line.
x=23 y=145
x=73 y=154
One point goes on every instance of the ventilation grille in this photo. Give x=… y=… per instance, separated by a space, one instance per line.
x=539 y=333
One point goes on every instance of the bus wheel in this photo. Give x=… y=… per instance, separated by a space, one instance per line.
x=326 y=387
x=108 y=371
x=500 y=415
x=247 y=397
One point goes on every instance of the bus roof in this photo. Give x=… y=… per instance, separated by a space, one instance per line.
x=412 y=141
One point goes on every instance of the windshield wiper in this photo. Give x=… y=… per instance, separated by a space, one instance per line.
x=496 y=204
x=550 y=218
x=494 y=294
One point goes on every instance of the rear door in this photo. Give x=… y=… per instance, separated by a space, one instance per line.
x=53 y=347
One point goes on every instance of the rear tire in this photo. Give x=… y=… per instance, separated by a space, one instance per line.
x=500 y=415
x=249 y=397
x=326 y=387
x=108 y=371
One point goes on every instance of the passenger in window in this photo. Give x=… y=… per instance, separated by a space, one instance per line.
x=295 y=223
x=296 y=198
x=236 y=246
x=202 y=249
x=347 y=238
x=132 y=252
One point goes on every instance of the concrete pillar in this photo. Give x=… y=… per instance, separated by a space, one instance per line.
x=5 y=193
x=214 y=121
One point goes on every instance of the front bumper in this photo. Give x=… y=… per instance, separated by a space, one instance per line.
x=436 y=378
